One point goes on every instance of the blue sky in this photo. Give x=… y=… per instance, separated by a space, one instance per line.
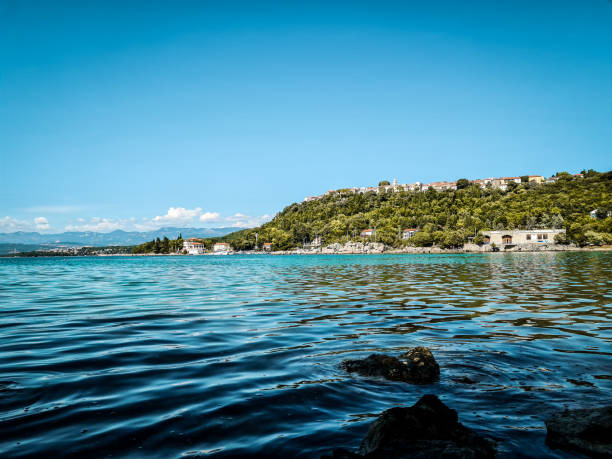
x=212 y=114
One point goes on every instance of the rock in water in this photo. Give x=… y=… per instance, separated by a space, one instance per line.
x=423 y=367
x=588 y=431
x=426 y=430
x=378 y=365
x=419 y=367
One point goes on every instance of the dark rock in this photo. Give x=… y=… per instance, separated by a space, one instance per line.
x=418 y=366
x=588 y=431
x=428 y=429
x=378 y=365
x=423 y=367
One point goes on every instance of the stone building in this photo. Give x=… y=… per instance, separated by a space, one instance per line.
x=221 y=247
x=517 y=237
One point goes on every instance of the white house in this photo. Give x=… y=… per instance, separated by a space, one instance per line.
x=368 y=232
x=193 y=246
x=408 y=233
x=514 y=237
x=221 y=247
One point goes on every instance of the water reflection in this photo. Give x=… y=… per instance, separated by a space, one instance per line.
x=239 y=355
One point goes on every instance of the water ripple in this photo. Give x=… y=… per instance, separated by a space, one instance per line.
x=223 y=356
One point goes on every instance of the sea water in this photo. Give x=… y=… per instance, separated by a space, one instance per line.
x=239 y=355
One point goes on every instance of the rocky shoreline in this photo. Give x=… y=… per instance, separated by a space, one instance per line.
x=363 y=248
x=376 y=248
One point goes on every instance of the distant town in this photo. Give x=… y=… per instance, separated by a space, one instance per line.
x=501 y=183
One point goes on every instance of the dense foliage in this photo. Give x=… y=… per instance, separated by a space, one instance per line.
x=158 y=245
x=445 y=218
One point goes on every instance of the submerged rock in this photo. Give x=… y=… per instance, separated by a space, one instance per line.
x=416 y=366
x=428 y=429
x=423 y=367
x=588 y=431
x=378 y=365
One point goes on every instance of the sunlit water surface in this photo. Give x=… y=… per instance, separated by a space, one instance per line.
x=238 y=355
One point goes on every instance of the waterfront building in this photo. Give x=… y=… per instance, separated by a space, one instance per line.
x=408 y=233
x=193 y=246
x=267 y=246
x=519 y=237
x=222 y=247
x=368 y=232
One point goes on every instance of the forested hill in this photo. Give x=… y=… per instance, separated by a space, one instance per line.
x=445 y=218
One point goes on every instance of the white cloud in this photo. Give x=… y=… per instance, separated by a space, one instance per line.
x=41 y=223
x=8 y=224
x=209 y=216
x=178 y=215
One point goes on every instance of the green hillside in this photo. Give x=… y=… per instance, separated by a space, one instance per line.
x=445 y=218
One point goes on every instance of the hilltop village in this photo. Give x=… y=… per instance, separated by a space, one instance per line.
x=523 y=213
x=501 y=183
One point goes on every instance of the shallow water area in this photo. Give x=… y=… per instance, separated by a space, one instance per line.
x=238 y=355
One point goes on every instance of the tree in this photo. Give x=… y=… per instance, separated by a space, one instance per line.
x=462 y=183
x=524 y=179
x=564 y=204
x=421 y=239
x=557 y=221
x=512 y=186
x=384 y=183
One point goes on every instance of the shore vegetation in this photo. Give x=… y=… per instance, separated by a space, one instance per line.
x=581 y=205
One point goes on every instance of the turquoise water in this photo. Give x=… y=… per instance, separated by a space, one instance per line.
x=238 y=355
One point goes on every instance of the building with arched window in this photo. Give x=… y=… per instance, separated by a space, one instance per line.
x=518 y=237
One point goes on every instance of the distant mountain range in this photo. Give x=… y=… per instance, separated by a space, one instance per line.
x=117 y=237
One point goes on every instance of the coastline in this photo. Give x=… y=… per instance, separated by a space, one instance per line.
x=343 y=251
x=378 y=249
